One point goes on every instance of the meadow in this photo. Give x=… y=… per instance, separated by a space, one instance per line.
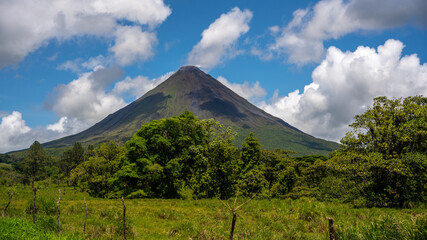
x=303 y=218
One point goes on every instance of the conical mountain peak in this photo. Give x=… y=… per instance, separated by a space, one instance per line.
x=191 y=89
x=189 y=68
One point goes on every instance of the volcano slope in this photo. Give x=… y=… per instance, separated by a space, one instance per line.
x=191 y=89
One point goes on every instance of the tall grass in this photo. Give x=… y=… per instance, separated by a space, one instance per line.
x=304 y=218
x=19 y=229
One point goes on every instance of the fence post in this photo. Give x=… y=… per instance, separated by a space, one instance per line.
x=34 y=203
x=124 y=219
x=59 y=212
x=5 y=208
x=84 y=226
x=331 y=229
x=233 y=224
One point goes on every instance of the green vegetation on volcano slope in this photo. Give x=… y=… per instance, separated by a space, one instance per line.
x=190 y=89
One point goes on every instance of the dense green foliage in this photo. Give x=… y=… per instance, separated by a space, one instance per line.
x=71 y=158
x=391 y=127
x=384 y=158
x=382 y=162
x=185 y=157
x=34 y=162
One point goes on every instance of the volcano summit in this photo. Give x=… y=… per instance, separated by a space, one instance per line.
x=191 y=89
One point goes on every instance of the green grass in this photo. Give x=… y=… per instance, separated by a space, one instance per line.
x=18 y=229
x=202 y=219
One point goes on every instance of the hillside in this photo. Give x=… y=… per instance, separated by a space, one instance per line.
x=192 y=89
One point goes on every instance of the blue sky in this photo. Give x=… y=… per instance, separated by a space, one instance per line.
x=65 y=65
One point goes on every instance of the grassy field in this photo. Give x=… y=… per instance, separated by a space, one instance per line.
x=200 y=219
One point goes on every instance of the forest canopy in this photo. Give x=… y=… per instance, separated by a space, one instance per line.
x=382 y=162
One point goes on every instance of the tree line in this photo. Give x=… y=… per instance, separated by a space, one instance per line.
x=382 y=162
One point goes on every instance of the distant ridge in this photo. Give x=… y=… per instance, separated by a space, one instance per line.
x=191 y=89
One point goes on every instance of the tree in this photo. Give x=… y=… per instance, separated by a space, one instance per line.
x=385 y=153
x=34 y=162
x=71 y=158
x=93 y=175
x=391 y=127
x=181 y=156
x=250 y=154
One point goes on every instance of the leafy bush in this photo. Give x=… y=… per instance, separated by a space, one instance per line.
x=336 y=187
x=137 y=194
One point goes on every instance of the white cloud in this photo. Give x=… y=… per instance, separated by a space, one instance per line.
x=85 y=98
x=219 y=39
x=14 y=123
x=11 y=127
x=252 y=92
x=59 y=126
x=79 y=104
x=302 y=39
x=139 y=85
x=78 y=65
x=71 y=65
x=95 y=62
x=67 y=126
x=345 y=83
x=274 y=29
x=26 y=25
x=17 y=135
x=133 y=44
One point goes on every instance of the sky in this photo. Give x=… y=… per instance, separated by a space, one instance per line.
x=66 y=64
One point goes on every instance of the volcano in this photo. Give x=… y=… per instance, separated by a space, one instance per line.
x=191 y=89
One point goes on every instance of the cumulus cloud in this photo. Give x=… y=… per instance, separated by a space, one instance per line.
x=26 y=25
x=138 y=86
x=71 y=65
x=219 y=39
x=66 y=126
x=78 y=65
x=95 y=94
x=302 y=39
x=252 y=92
x=11 y=127
x=345 y=83
x=17 y=135
x=85 y=98
x=133 y=44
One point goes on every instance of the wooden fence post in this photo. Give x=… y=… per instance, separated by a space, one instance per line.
x=5 y=208
x=84 y=226
x=233 y=224
x=124 y=218
x=233 y=208
x=331 y=229
x=34 y=203
x=59 y=212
